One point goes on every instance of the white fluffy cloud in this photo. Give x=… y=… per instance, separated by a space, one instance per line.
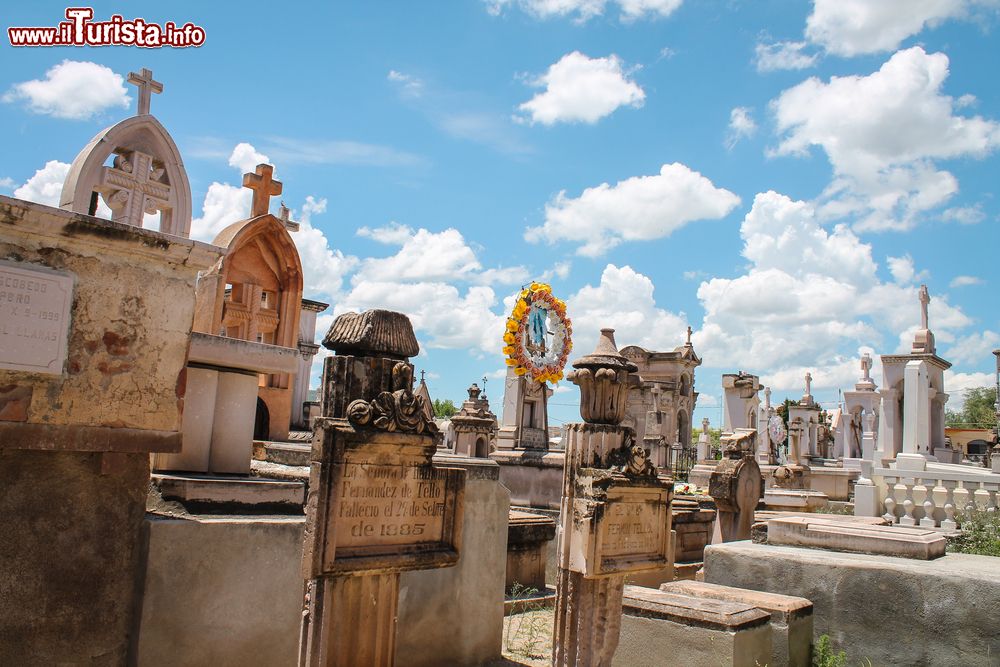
x=72 y=89
x=640 y=208
x=811 y=299
x=882 y=133
x=579 y=89
x=975 y=349
x=624 y=301
x=965 y=281
x=324 y=268
x=45 y=186
x=783 y=55
x=584 y=10
x=855 y=27
x=741 y=126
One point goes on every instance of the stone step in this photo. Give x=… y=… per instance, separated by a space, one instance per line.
x=284 y=453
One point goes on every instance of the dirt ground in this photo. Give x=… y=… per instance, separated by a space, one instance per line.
x=527 y=639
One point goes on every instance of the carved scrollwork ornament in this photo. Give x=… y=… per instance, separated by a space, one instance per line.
x=399 y=410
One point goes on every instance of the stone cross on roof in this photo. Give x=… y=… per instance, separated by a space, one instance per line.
x=144 y=81
x=925 y=298
x=264 y=187
x=809 y=381
x=291 y=226
x=689 y=336
x=484 y=386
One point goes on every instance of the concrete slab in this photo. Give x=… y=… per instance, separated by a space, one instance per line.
x=661 y=628
x=822 y=533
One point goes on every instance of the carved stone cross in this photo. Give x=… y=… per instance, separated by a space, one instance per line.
x=144 y=81
x=689 y=335
x=132 y=187
x=264 y=187
x=291 y=226
x=925 y=298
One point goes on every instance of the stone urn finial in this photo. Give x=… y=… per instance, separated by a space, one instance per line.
x=602 y=377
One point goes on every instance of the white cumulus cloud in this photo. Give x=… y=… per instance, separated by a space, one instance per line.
x=640 y=208
x=579 y=89
x=45 y=186
x=77 y=90
x=856 y=27
x=741 y=126
x=783 y=55
x=965 y=281
x=584 y=10
x=882 y=134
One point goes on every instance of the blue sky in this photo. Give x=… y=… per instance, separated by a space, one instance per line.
x=781 y=176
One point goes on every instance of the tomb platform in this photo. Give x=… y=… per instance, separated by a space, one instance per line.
x=889 y=610
x=791 y=500
x=660 y=627
x=856 y=537
x=250 y=566
x=533 y=476
x=528 y=539
x=282 y=453
x=693 y=525
x=218 y=494
x=791 y=617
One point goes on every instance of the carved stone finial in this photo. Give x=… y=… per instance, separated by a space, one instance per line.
x=373 y=333
x=689 y=332
x=474 y=392
x=602 y=377
x=925 y=299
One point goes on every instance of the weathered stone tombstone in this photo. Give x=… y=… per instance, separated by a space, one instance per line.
x=377 y=505
x=615 y=515
x=736 y=486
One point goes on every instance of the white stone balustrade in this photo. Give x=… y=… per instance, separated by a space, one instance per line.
x=937 y=496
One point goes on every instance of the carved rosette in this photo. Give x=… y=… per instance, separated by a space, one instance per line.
x=602 y=377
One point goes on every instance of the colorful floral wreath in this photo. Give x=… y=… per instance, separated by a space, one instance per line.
x=536 y=307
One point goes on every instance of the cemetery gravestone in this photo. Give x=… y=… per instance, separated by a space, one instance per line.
x=377 y=505
x=615 y=515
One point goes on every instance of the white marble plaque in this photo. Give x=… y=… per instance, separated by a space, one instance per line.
x=35 y=305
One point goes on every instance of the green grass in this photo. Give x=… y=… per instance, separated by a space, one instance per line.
x=980 y=534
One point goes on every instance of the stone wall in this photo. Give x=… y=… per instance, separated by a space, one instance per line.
x=67 y=557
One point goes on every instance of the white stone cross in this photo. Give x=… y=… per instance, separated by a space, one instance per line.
x=132 y=187
x=283 y=214
x=925 y=298
x=264 y=187
x=144 y=81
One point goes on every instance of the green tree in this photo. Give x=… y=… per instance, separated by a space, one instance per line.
x=978 y=411
x=444 y=409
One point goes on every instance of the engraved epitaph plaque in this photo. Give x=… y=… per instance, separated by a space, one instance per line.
x=35 y=305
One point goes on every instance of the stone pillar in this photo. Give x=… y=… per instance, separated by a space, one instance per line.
x=377 y=505
x=916 y=415
x=615 y=514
